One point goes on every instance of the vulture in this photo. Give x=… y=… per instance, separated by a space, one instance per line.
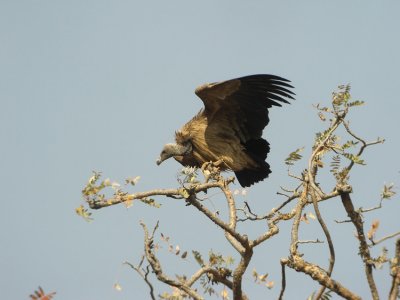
x=229 y=128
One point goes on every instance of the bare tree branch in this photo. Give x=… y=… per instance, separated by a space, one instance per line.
x=364 y=249
x=238 y=274
x=329 y=239
x=158 y=192
x=283 y=287
x=316 y=273
x=395 y=273
x=192 y=200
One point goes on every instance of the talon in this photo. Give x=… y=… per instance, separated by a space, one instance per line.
x=211 y=170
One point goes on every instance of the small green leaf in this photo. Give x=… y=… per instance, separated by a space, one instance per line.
x=229 y=260
x=215 y=259
x=151 y=202
x=84 y=213
x=349 y=144
x=355 y=103
x=198 y=258
x=293 y=157
x=184 y=193
x=322 y=116
x=354 y=158
x=387 y=191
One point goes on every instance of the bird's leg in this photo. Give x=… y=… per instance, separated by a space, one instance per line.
x=205 y=170
x=211 y=170
x=218 y=163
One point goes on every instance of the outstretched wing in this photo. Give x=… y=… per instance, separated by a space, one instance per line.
x=244 y=102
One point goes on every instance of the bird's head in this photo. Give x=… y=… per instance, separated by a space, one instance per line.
x=170 y=150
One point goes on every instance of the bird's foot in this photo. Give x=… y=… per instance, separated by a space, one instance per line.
x=211 y=170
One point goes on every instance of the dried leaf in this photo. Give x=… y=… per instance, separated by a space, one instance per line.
x=311 y=216
x=184 y=193
x=381 y=259
x=132 y=181
x=387 y=191
x=117 y=287
x=304 y=218
x=164 y=238
x=373 y=229
x=255 y=275
x=270 y=284
x=128 y=203
x=84 y=213
x=115 y=185
x=41 y=295
x=225 y=294
x=263 y=278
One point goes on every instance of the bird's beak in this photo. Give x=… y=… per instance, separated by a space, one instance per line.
x=159 y=161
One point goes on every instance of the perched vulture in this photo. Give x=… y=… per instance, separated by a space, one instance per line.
x=229 y=128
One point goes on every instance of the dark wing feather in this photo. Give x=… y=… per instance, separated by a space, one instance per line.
x=245 y=101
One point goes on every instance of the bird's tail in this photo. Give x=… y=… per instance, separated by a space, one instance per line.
x=247 y=177
x=258 y=150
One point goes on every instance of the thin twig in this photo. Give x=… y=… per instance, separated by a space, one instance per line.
x=342 y=221
x=144 y=273
x=317 y=241
x=295 y=195
x=329 y=239
x=364 y=143
x=283 y=281
x=273 y=230
x=362 y=210
x=385 y=238
x=156 y=266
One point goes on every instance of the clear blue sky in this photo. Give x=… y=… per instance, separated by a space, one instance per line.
x=102 y=85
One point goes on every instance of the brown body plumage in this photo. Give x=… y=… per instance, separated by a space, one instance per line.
x=229 y=128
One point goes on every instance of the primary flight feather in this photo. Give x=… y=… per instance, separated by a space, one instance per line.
x=229 y=128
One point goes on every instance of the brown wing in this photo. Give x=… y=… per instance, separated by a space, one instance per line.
x=244 y=102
